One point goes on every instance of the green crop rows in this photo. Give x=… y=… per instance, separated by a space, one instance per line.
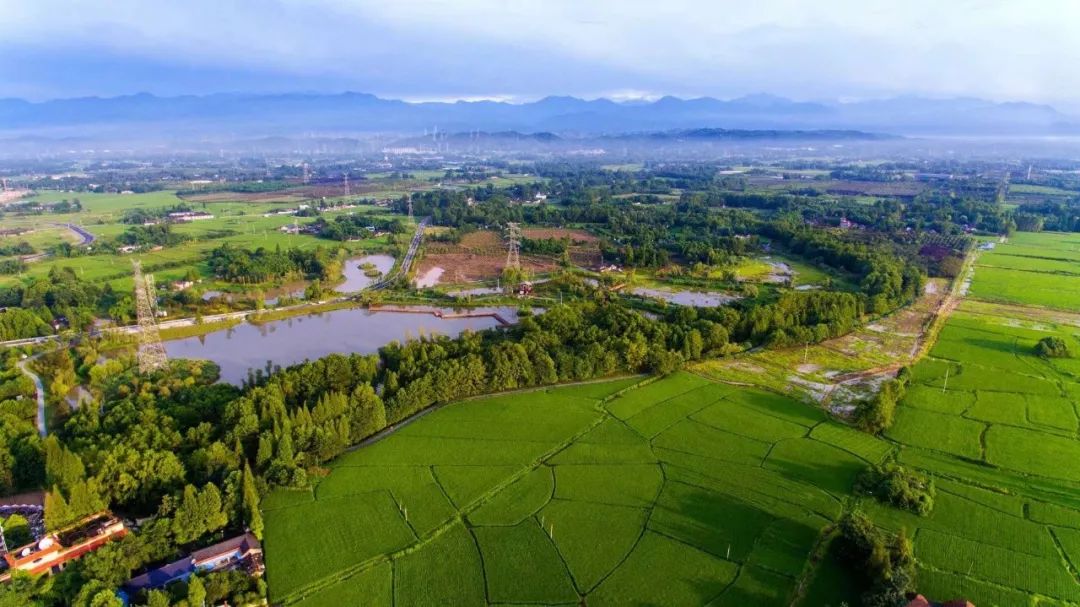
x=997 y=425
x=677 y=492
x=686 y=492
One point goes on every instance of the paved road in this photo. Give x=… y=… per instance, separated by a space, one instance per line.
x=406 y=262
x=81 y=232
x=40 y=393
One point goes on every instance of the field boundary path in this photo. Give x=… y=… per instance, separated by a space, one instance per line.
x=926 y=338
x=838 y=372
x=40 y=389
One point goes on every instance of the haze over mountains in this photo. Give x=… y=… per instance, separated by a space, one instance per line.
x=228 y=116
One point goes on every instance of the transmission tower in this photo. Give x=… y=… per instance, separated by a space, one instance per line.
x=348 y=190
x=151 y=351
x=410 y=207
x=513 y=243
x=307 y=173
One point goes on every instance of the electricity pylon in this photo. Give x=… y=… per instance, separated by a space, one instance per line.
x=151 y=351
x=513 y=242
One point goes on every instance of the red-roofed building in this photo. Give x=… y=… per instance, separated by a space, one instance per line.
x=54 y=551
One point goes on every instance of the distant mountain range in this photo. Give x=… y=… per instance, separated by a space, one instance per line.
x=233 y=116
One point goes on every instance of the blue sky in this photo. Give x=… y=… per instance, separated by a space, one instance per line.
x=524 y=49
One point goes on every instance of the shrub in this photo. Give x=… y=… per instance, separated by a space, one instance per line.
x=1052 y=347
x=897 y=486
x=876 y=414
x=887 y=564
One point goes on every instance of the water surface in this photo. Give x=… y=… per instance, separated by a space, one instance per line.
x=355 y=280
x=697 y=299
x=293 y=340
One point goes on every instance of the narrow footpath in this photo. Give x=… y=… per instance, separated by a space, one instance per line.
x=40 y=388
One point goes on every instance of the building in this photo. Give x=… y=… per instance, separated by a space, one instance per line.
x=241 y=552
x=186 y=216
x=55 y=550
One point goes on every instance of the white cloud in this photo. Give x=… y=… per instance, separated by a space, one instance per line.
x=526 y=48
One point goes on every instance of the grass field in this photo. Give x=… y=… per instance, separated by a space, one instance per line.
x=237 y=223
x=678 y=492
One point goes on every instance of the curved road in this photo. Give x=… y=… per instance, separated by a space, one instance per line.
x=81 y=232
x=40 y=393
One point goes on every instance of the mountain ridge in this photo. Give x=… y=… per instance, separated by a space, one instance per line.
x=355 y=112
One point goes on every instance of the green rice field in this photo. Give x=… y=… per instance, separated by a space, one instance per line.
x=1040 y=269
x=677 y=492
x=998 y=426
x=683 y=491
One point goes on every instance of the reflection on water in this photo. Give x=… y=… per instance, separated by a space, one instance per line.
x=355 y=278
x=293 y=340
x=687 y=298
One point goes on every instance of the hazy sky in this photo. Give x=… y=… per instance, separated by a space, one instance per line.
x=523 y=49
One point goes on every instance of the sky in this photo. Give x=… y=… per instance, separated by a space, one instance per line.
x=518 y=50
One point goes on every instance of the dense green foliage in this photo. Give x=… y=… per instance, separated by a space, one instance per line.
x=885 y=563
x=876 y=414
x=262 y=265
x=350 y=227
x=898 y=486
x=1052 y=346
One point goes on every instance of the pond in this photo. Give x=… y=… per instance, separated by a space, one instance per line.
x=293 y=340
x=292 y=290
x=356 y=278
x=697 y=299
x=475 y=291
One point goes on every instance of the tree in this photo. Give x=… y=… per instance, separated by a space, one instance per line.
x=199 y=512
x=17 y=531
x=250 y=498
x=62 y=467
x=196 y=594
x=157 y=598
x=57 y=511
x=1052 y=346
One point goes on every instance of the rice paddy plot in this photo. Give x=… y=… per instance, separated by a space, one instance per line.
x=469 y=509
x=1033 y=452
x=947 y=433
x=522 y=565
x=690 y=576
x=1044 y=575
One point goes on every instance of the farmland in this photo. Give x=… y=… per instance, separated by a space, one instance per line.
x=683 y=491
x=235 y=222
x=1032 y=269
x=997 y=425
x=679 y=491
x=481 y=255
